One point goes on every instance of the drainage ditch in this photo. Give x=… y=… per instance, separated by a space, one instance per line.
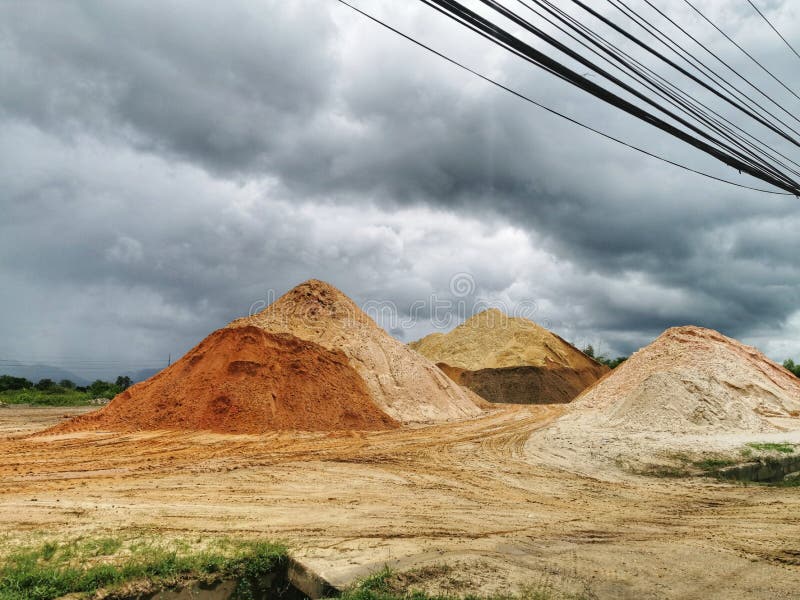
x=765 y=470
x=290 y=581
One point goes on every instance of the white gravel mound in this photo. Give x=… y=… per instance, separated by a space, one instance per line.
x=693 y=380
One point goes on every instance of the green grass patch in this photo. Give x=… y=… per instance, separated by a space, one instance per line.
x=781 y=447
x=52 y=569
x=663 y=471
x=46 y=397
x=391 y=585
x=713 y=463
x=682 y=465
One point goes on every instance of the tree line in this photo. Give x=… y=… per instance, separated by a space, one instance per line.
x=96 y=389
x=611 y=363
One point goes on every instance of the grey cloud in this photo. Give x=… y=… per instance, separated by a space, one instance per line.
x=218 y=84
x=193 y=157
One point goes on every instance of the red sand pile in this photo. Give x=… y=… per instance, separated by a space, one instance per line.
x=245 y=380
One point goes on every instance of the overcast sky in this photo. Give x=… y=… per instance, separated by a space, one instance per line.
x=166 y=166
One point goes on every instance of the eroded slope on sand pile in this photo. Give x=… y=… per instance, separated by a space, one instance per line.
x=693 y=379
x=245 y=380
x=510 y=359
x=402 y=383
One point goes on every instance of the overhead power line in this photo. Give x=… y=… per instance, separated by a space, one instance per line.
x=665 y=89
x=763 y=16
x=701 y=67
x=686 y=73
x=692 y=134
x=553 y=111
x=722 y=61
x=695 y=117
x=747 y=145
x=720 y=87
x=750 y=56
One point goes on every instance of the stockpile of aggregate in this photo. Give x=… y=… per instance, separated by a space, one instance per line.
x=402 y=383
x=245 y=380
x=510 y=359
x=693 y=380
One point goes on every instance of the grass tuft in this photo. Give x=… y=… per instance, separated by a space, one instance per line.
x=711 y=464
x=781 y=447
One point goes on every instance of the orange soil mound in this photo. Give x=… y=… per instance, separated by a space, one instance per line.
x=510 y=359
x=245 y=380
x=693 y=379
x=550 y=384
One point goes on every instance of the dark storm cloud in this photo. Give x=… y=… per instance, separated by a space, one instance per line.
x=164 y=166
x=219 y=83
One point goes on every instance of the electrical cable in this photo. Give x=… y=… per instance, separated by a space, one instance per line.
x=750 y=56
x=553 y=111
x=721 y=60
x=682 y=70
x=459 y=13
x=664 y=89
x=640 y=71
x=763 y=16
x=701 y=67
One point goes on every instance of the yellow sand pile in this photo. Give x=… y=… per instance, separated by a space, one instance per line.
x=510 y=359
x=491 y=340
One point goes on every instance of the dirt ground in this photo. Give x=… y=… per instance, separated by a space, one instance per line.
x=471 y=495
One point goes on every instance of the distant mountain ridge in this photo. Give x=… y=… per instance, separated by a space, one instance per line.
x=40 y=371
x=36 y=372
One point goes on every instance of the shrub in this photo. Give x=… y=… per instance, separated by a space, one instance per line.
x=611 y=363
x=8 y=382
x=45 y=384
x=103 y=389
x=790 y=365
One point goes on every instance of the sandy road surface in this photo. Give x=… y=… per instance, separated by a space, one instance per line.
x=465 y=493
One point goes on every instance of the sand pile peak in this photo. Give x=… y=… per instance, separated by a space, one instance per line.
x=245 y=380
x=492 y=339
x=405 y=385
x=314 y=302
x=692 y=379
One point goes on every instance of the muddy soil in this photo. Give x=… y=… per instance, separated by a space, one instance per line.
x=470 y=494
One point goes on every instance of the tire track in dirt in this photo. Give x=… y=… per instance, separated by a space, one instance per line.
x=443 y=491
